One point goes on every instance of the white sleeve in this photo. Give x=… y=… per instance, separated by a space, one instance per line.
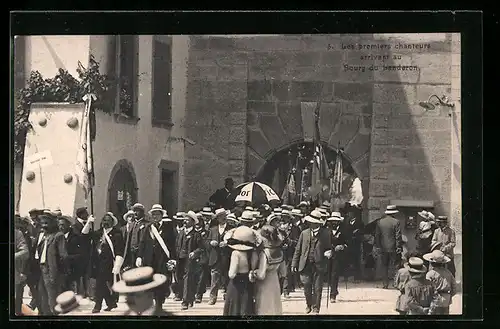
x=356 y=192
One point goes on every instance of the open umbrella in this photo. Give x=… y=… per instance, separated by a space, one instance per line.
x=257 y=193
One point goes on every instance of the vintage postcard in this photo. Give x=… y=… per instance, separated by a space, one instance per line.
x=234 y=175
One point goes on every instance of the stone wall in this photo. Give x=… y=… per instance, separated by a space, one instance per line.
x=411 y=156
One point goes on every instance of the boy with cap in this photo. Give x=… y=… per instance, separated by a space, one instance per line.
x=445 y=235
x=400 y=280
x=442 y=280
x=420 y=294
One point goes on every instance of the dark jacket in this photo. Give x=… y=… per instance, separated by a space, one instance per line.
x=222 y=199
x=337 y=239
x=21 y=256
x=290 y=240
x=85 y=243
x=103 y=263
x=388 y=234
x=76 y=253
x=56 y=258
x=217 y=255
x=203 y=259
x=193 y=242
x=152 y=253
x=302 y=250
x=128 y=238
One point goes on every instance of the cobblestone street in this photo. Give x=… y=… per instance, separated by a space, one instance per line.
x=358 y=299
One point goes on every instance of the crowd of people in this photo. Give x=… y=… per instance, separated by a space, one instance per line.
x=253 y=255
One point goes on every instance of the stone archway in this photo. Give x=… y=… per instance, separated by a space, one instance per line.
x=122 y=188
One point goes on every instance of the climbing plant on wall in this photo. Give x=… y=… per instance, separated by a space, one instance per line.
x=65 y=88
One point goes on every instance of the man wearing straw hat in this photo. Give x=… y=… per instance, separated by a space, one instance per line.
x=128 y=219
x=189 y=247
x=290 y=235
x=388 y=241
x=108 y=260
x=208 y=218
x=138 y=285
x=157 y=250
x=135 y=236
x=68 y=303
x=310 y=260
x=442 y=279
x=218 y=254
x=50 y=255
x=176 y=286
x=445 y=235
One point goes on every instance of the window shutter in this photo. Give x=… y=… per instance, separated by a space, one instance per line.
x=128 y=55
x=162 y=82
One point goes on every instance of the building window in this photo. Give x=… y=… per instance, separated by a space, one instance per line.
x=127 y=51
x=162 y=80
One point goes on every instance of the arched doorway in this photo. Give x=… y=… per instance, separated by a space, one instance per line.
x=122 y=188
x=276 y=170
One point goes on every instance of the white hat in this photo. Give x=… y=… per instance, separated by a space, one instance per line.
x=277 y=211
x=272 y=217
x=303 y=204
x=391 y=209
x=138 y=206
x=323 y=211
x=232 y=217
x=221 y=212
x=286 y=207
x=115 y=220
x=247 y=217
x=335 y=216
x=157 y=207
x=244 y=238
x=427 y=215
x=249 y=208
x=192 y=215
x=127 y=214
x=139 y=279
x=314 y=217
x=207 y=211
x=180 y=215
x=297 y=212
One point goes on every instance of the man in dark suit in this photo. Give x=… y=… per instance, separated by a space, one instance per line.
x=157 y=250
x=82 y=268
x=51 y=257
x=134 y=237
x=354 y=236
x=310 y=259
x=388 y=241
x=290 y=234
x=202 y=274
x=75 y=252
x=218 y=255
x=128 y=219
x=339 y=245
x=189 y=247
x=178 y=221
x=222 y=197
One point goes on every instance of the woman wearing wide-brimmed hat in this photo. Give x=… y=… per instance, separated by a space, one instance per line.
x=107 y=261
x=240 y=290
x=445 y=235
x=442 y=279
x=423 y=237
x=420 y=294
x=271 y=267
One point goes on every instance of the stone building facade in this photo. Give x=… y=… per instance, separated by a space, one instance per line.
x=250 y=97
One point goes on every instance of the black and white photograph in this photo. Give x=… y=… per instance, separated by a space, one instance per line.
x=237 y=175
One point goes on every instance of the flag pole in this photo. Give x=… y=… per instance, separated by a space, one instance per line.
x=88 y=99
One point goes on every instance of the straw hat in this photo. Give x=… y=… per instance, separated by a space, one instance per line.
x=314 y=217
x=416 y=265
x=165 y=218
x=391 y=209
x=278 y=211
x=297 y=213
x=221 y=213
x=436 y=246
x=127 y=214
x=115 y=220
x=243 y=238
x=248 y=208
x=57 y=211
x=437 y=256
x=179 y=216
x=271 y=218
x=67 y=301
x=442 y=219
x=207 y=211
x=426 y=215
x=303 y=204
x=139 y=279
x=247 y=217
x=335 y=216
x=192 y=215
x=157 y=207
x=138 y=206
x=232 y=217
x=287 y=207
x=323 y=211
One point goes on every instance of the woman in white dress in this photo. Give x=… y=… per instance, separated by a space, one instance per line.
x=271 y=267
